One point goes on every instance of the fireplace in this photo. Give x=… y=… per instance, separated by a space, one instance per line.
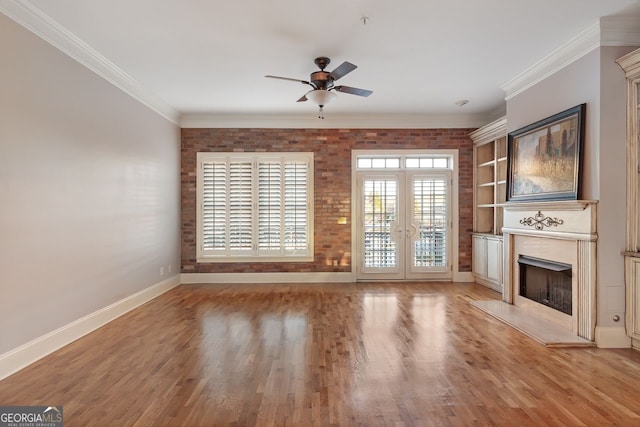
x=550 y=262
x=546 y=282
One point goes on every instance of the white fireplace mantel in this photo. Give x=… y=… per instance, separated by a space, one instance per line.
x=567 y=219
x=555 y=229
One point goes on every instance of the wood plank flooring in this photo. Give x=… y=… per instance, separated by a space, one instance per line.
x=397 y=354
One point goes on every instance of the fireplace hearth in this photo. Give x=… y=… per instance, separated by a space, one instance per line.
x=546 y=282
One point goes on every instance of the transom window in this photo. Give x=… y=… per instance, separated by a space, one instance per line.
x=255 y=206
x=404 y=162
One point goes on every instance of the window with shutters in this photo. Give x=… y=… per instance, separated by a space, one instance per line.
x=255 y=207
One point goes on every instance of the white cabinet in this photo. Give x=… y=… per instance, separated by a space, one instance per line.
x=487 y=260
x=494 y=260
x=631 y=65
x=479 y=255
x=632 y=273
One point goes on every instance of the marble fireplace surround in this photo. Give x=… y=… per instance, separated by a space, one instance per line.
x=562 y=231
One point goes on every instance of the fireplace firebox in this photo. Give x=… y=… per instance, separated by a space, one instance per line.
x=546 y=282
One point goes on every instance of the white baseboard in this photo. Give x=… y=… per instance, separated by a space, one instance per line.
x=463 y=276
x=193 y=278
x=608 y=337
x=328 y=277
x=20 y=357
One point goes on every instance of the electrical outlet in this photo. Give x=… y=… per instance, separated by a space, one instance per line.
x=161 y=271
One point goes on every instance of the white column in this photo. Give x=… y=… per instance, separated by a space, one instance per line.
x=586 y=270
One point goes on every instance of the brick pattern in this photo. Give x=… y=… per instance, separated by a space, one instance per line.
x=332 y=187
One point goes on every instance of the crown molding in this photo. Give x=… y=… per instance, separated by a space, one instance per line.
x=339 y=121
x=39 y=23
x=575 y=48
x=607 y=31
x=489 y=132
x=630 y=64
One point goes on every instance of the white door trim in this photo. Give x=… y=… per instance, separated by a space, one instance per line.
x=455 y=234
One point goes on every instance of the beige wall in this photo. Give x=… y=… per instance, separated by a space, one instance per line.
x=613 y=198
x=575 y=84
x=596 y=80
x=89 y=187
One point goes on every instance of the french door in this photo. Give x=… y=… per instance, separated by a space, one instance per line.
x=404 y=225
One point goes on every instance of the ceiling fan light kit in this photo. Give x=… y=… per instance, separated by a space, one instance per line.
x=321 y=98
x=322 y=83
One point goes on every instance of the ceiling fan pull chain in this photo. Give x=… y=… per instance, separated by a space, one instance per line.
x=321 y=113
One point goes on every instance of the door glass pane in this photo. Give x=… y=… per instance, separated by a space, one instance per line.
x=378 y=163
x=440 y=163
x=412 y=163
x=380 y=215
x=393 y=163
x=364 y=163
x=430 y=222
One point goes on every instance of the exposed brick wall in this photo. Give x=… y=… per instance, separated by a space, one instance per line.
x=332 y=187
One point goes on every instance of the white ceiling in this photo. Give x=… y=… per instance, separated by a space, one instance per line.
x=418 y=56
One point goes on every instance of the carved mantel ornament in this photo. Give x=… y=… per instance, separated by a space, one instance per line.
x=539 y=221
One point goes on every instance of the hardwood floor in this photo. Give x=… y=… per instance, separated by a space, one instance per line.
x=402 y=354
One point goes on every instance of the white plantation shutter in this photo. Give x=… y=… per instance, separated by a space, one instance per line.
x=214 y=206
x=240 y=202
x=431 y=215
x=269 y=206
x=255 y=207
x=295 y=207
x=380 y=218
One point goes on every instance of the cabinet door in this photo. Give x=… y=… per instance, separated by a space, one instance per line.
x=494 y=260
x=632 y=266
x=480 y=255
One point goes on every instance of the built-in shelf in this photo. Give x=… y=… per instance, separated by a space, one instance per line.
x=489 y=195
x=485 y=164
x=490 y=175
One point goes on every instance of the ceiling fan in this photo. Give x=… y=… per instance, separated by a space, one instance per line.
x=322 y=83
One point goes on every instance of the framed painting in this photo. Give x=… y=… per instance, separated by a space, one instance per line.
x=544 y=159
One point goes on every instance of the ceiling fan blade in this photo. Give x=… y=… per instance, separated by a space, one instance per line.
x=288 y=78
x=353 y=90
x=304 y=98
x=342 y=70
